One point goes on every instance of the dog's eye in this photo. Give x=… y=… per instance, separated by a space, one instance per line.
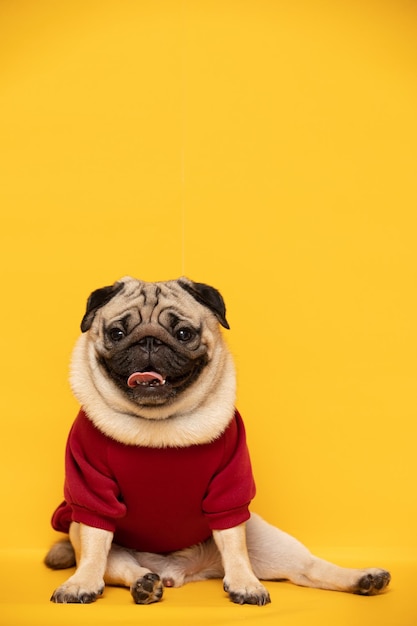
x=184 y=334
x=116 y=334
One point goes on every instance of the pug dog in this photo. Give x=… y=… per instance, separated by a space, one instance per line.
x=158 y=475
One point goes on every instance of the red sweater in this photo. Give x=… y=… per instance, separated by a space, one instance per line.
x=155 y=499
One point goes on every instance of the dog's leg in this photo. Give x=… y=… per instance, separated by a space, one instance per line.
x=239 y=580
x=99 y=564
x=125 y=568
x=276 y=555
x=199 y=562
x=91 y=547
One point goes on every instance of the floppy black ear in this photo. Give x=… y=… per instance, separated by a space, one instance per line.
x=97 y=299
x=209 y=297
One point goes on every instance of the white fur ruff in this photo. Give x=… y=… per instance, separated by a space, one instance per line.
x=196 y=420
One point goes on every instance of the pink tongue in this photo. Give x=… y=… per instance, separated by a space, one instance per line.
x=144 y=377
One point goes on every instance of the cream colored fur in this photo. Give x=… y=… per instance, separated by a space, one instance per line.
x=242 y=555
x=197 y=417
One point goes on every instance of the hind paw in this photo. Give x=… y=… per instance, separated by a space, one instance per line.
x=147 y=589
x=372 y=582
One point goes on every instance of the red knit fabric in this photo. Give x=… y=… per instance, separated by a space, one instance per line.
x=155 y=499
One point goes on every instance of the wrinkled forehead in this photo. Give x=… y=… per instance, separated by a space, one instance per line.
x=158 y=303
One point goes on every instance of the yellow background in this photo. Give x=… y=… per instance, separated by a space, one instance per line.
x=269 y=149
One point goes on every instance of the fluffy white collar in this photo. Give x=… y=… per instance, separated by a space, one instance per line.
x=200 y=417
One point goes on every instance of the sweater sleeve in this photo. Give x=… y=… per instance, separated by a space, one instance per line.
x=90 y=489
x=233 y=487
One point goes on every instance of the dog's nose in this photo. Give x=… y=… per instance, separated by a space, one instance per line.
x=149 y=344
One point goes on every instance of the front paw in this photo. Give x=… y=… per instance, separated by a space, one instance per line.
x=72 y=593
x=147 y=589
x=252 y=593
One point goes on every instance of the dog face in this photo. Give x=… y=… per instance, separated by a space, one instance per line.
x=151 y=366
x=154 y=341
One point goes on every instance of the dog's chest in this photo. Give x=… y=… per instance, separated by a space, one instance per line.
x=163 y=491
x=165 y=473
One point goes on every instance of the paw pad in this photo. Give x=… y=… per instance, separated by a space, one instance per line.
x=372 y=583
x=147 y=589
